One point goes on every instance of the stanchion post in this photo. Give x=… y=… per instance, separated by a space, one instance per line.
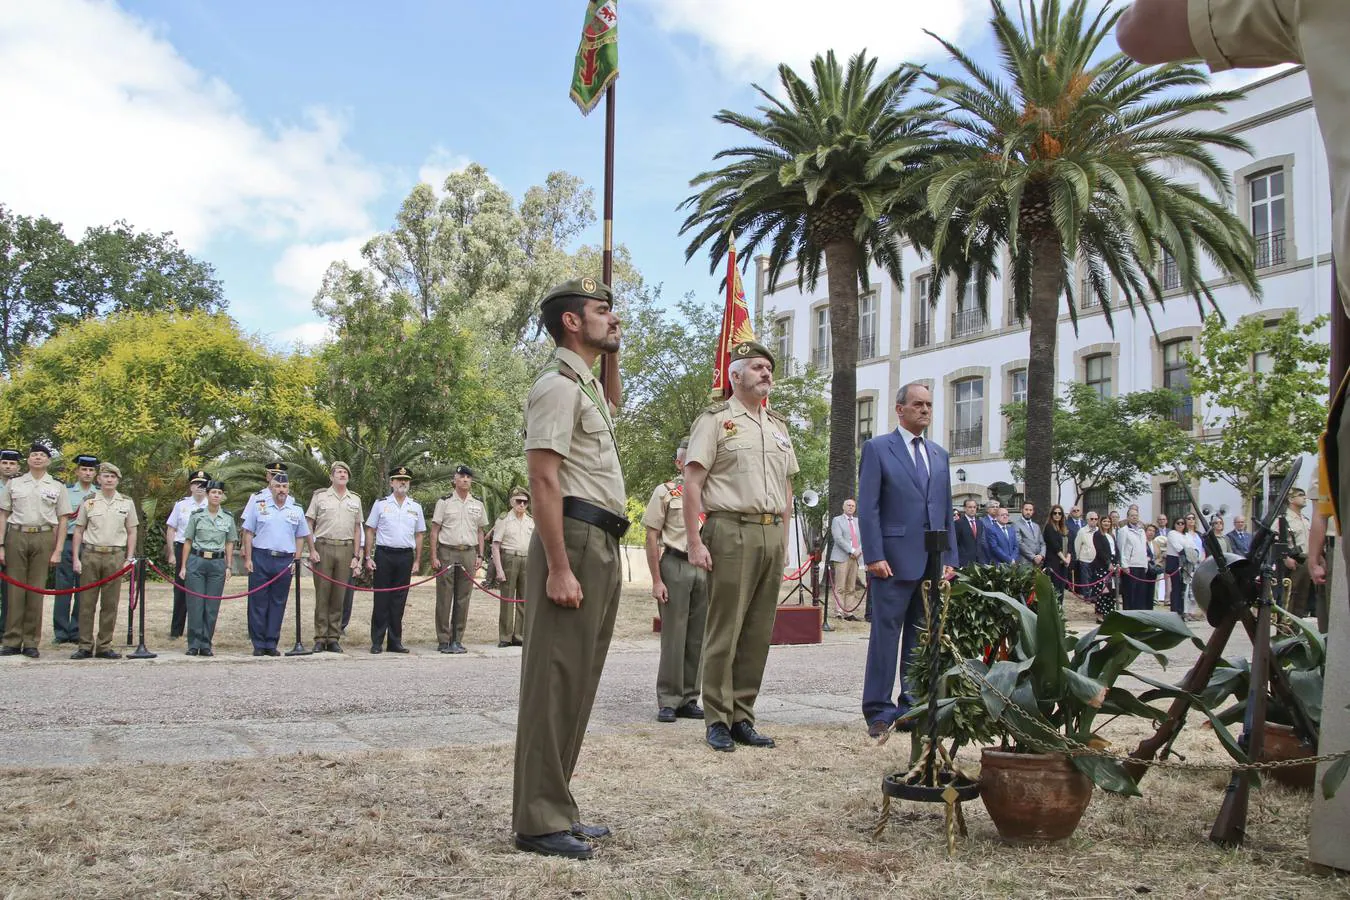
x=299 y=648
x=131 y=604
x=142 y=652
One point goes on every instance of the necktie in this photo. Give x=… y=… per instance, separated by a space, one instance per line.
x=973 y=529
x=920 y=466
x=852 y=534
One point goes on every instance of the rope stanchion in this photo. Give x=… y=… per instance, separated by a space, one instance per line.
x=299 y=648
x=64 y=591
x=141 y=652
x=131 y=609
x=255 y=590
x=796 y=576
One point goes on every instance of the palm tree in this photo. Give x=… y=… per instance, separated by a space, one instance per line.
x=1065 y=157
x=822 y=183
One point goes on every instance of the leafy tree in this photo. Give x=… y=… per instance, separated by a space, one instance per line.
x=1067 y=155
x=1106 y=443
x=1263 y=389
x=35 y=261
x=823 y=182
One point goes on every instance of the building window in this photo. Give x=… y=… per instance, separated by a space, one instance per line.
x=866 y=418
x=1263 y=362
x=1175 y=501
x=1087 y=298
x=820 y=352
x=967 y=319
x=1177 y=378
x=1097 y=373
x=1017 y=386
x=867 y=326
x=782 y=341
x=1266 y=499
x=1098 y=501
x=967 y=417
x=1267 y=198
x=923 y=322
x=1171 y=273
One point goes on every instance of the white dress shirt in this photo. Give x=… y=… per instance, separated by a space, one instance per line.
x=922 y=448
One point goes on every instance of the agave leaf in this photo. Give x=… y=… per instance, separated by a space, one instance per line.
x=1336 y=773
x=1107 y=774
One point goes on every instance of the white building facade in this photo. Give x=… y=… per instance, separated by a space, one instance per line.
x=974 y=365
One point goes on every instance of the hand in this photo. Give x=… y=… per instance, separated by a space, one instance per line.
x=169 y=554
x=1317 y=569
x=501 y=576
x=564 y=589
x=879 y=569
x=77 y=565
x=128 y=561
x=660 y=593
x=1290 y=564
x=313 y=556
x=248 y=564
x=948 y=573
x=56 y=558
x=2 y=554
x=182 y=574
x=355 y=564
x=229 y=568
x=370 y=564
x=699 y=556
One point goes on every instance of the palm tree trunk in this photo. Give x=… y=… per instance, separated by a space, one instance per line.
x=1047 y=281
x=842 y=259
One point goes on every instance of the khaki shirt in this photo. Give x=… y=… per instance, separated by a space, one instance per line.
x=1258 y=33
x=748 y=455
x=559 y=416
x=461 y=521
x=1298 y=531
x=335 y=517
x=665 y=513
x=513 y=532
x=106 y=521
x=32 y=502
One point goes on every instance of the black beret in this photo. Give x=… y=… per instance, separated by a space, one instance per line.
x=464 y=470
x=215 y=485
x=40 y=448
x=11 y=455
x=281 y=478
x=85 y=459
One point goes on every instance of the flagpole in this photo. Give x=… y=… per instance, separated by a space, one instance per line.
x=609 y=363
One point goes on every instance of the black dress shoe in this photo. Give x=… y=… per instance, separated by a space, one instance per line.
x=665 y=714
x=334 y=647
x=719 y=738
x=81 y=654
x=272 y=651
x=193 y=651
x=319 y=647
x=517 y=642
x=689 y=711
x=206 y=651
x=503 y=643
x=9 y=651
x=31 y=652
x=559 y=843
x=396 y=647
x=108 y=654
x=258 y=651
x=589 y=832
x=745 y=733
x=878 y=728
x=457 y=647
x=443 y=647
x=376 y=648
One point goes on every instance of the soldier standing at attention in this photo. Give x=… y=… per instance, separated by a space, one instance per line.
x=457 y=526
x=265 y=492
x=66 y=617
x=9 y=468
x=275 y=532
x=104 y=543
x=394 y=532
x=334 y=516
x=33 y=511
x=739 y=469
x=572 y=575
x=510 y=548
x=173 y=544
x=208 y=551
x=681 y=593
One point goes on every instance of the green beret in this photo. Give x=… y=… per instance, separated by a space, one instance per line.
x=750 y=350
x=589 y=288
x=107 y=468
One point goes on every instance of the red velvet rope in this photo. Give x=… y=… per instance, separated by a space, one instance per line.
x=167 y=577
x=63 y=591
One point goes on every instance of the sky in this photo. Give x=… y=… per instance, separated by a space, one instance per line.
x=275 y=138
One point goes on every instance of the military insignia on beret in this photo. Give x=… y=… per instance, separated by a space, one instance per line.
x=588 y=285
x=743 y=350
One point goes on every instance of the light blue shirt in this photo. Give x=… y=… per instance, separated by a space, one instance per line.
x=275 y=527
x=77 y=496
x=396 y=526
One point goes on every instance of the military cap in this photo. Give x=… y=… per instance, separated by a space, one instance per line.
x=11 y=455
x=463 y=470
x=401 y=472
x=215 y=485
x=38 y=447
x=199 y=477
x=281 y=478
x=84 y=459
x=751 y=350
x=587 y=288
x=108 y=468
x=1297 y=492
x=275 y=466
x=520 y=492
x=339 y=464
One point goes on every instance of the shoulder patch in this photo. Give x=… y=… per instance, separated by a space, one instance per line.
x=777 y=417
x=717 y=407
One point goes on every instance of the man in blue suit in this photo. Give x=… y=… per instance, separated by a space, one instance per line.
x=1000 y=542
x=904 y=491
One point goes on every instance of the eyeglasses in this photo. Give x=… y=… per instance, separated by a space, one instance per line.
x=1057 y=513
x=519 y=500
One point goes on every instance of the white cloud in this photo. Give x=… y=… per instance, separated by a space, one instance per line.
x=301 y=266
x=751 y=37
x=105 y=120
x=439 y=165
x=306 y=334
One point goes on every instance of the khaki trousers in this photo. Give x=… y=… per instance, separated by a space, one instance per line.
x=846 y=582
x=335 y=561
x=452 y=593
x=684 y=615
x=559 y=673
x=511 y=619
x=743 y=592
x=98 y=566
x=28 y=559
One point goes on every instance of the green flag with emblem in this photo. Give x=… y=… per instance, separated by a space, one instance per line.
x=597 y=62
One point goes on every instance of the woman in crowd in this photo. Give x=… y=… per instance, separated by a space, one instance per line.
x=1103 y=589
x=1057 y=554
x=1157 y=553
x=1177 y=541
x=1195 y=553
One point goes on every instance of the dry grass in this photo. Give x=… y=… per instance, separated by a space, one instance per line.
x=791 y=822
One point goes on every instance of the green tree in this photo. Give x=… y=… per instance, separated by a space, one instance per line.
x=1066 y=155
x=823 y=182
x=1106 y=443
x=1261 y=390
x=35 y=262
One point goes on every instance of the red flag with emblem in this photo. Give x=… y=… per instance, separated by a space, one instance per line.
x=735 y=327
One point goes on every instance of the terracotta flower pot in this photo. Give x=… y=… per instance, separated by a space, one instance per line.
x=1033 y=798
x=1281 y=742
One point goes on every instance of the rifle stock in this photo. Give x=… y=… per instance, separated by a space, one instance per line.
x=1231 y=825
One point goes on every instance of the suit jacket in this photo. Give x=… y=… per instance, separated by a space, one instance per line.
x=970 y=544
x=841 y=539
x=894 y=513
x=1074 y=525
x=1239 y=542
x=1108 y=552
x=1000 y=547
x=1030 y=540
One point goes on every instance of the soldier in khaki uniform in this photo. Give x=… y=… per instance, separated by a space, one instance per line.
x=457 y=526
x=681 y=592
x=33 y=512
x=9 y=469
x=335 y=519
x=510 y=547
x=104 y=542
x=572 y=578
x=739 y=470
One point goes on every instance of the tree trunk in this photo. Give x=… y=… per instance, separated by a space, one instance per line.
x=842 y=260
x=1047 y=282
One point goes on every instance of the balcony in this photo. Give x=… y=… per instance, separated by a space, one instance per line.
x=1184 y=414
x=867 y=346
x=923 y=333
x=967 y=322
x=1171 y=275
x=1270 y=250
x=967 y=441
x=820 y=358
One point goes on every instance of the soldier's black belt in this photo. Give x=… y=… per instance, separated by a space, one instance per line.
x=273 y=553
x=678 y=554
x=211 y=554
x=585 y=511
x=31 y=529
x=749 y=518
x=102 y=548
x=388 y=549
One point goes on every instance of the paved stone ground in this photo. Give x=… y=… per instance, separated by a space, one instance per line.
x=178 y=709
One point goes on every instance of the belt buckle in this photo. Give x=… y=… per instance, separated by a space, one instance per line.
x=766 y=518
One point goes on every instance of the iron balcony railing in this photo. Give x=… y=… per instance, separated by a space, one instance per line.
x=867 y=346
x=923 y=333
x=1270 y=249
x=967 y=441
x=820 y=357
x=966 y=322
